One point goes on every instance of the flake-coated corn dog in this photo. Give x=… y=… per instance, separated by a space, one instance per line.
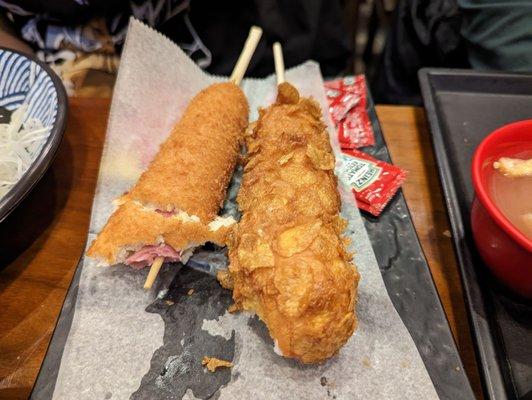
x=288 y=261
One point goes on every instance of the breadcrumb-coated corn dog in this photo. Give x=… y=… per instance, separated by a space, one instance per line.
x=288 y=261
x=175 y=202
x=193 y=167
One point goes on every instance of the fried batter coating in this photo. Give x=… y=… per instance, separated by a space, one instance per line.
x=194 y=165
x=288 y=262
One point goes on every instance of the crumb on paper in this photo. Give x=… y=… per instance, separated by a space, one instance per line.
x=323 y=381
x=190 y=291
x=169 y=302
x=213 y=363
x=366 y=362
x=447 y=233
x=458 y=369
x=513 y=167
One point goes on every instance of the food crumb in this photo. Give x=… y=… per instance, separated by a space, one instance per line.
x=514 y=167
x=447 y=233
x=213 y=363
x=169 y=302
x=366 y=362
x=323 y=381
x=190 y=291
x=457 y=368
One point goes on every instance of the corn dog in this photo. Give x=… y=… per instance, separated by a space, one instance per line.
x=193 y=167
x=288 y=262
x=173 y=207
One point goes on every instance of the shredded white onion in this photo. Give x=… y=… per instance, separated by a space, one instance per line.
x=19 y=144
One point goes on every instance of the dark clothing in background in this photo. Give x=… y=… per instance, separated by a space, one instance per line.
x=424 y=33
x=307 y=29
x=211 y=32
x=81 y=39
x=55 y=28
x=498 y=34
x=481 y=34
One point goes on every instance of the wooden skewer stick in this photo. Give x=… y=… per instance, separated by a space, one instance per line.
x=279 y=62
x=154 y=270
x=245 y=56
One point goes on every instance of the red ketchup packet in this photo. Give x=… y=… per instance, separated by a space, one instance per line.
x=355 y=130
x=347 y=105
x=373 y=182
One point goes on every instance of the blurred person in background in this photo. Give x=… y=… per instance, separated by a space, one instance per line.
x=478 y=34
x=498 y=34
x=82 y=39
x=424 y=33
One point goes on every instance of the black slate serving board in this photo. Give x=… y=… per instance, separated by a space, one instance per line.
x=405 y=273
x=463 y=107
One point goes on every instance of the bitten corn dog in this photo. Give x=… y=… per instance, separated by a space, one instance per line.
x=174 y=205
x=288 y=262
x=180 y=193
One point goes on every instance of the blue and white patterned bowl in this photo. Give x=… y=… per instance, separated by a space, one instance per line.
x=25 y=80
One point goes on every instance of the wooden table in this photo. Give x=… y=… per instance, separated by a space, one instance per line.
x=41 y=242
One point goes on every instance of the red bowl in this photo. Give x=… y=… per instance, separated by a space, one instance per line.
x=506 y=251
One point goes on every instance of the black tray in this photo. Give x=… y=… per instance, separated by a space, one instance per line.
x=408 y=281
x=462 y=108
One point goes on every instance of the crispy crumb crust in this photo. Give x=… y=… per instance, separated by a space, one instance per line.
x=194 y=165
x=133 y=225
x=288 y=261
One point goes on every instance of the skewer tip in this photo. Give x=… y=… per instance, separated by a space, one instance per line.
x=255 y=30
x=154 y=271
x=241 y=65
x=279 y=62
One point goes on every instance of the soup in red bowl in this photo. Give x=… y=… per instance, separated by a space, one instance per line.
x=501 y=216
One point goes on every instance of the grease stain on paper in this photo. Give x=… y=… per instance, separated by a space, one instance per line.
x=176 y=371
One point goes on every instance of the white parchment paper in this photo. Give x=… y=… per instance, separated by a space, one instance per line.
x=112 y=338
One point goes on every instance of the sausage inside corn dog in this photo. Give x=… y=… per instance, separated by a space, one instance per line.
x=173 y=207
x=288 y=261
